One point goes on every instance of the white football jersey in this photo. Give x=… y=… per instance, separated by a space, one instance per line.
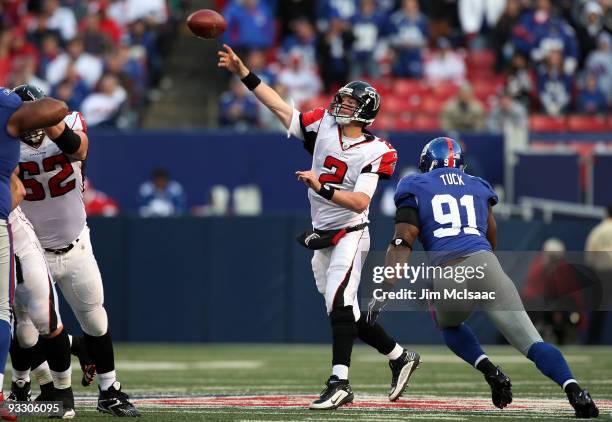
x=54 y=190
x=339 y=163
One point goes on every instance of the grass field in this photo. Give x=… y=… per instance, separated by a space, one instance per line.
x=276 y=382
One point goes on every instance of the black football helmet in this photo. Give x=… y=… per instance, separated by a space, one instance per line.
x=28 y=92
x=367 y=97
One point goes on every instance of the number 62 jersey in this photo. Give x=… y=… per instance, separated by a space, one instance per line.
x=54 y=189
x=453 y=211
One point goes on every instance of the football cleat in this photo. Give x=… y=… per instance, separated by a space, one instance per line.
x=66 y=396
x=115 y=402
x=79 y=350
x=583 y=404
x=401 y=370
x=4 y=413
x=20 y=391
x=47 y=392
x=336 y=393
x=501 y=388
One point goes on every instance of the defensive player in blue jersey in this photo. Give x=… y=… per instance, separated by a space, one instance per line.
x=16 y=117
x=451 y=214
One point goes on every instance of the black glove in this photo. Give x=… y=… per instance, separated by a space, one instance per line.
x=375 y=307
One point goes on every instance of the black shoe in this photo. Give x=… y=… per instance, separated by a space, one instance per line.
x=501 y=388
x=66 y=396
x=79 y=350
x=583 y=404
x=47 y=392
x=20 y=391
x=115 y=402
x=401 y=370
x=337 y=393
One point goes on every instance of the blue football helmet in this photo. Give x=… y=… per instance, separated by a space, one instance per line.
x=441 y=152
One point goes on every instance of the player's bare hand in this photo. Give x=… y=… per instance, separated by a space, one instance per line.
x=309 y=179
x=229 y=60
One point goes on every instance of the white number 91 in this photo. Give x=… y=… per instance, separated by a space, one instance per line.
x=453 y=217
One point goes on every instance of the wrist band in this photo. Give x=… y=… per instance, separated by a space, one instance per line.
x=401 y=242
x=251 y=81
x=69 y=142
x=327 y=192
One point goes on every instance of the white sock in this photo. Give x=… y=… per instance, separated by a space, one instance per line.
x=24 y=375
x=106 y=380
x=1 y=382
x=568 y=382
x=70 y=339
x=341 y=371
x=396 y=352
x=42 y=374
x=62 y=380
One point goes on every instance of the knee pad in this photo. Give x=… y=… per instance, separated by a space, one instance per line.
x=27 y=334
x=343 y=321
x=93 y=322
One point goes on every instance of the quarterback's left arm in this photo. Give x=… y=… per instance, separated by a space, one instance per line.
x=73 y=142
x=357 y=201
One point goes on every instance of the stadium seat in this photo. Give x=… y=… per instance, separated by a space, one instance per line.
x=586 y=123
x=404 y=123
x=384 y=121
x=393 y=105
x=432 y=105
x=426 y=123
x=486 y=88
x=408 y=87
x=480 y=64
x=444 y=90
x=543 y=123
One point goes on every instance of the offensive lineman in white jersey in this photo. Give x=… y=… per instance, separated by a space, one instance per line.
x=51 y=171
x=347 y=163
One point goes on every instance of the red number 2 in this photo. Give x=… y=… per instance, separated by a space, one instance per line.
x=339 y=169
x=35 y=191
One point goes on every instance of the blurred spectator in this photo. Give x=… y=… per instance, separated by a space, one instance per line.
x=237 y=108
x=59 y=18
x=410 y=30
x=590 y=26
x=95 y=41
x=130 y=72
x=519 y=82
x=143 y=41
x=501 y=34
x=250 y=24
x=256 y=62
x=301 y=42
x=327 y=10
x=125 y=11
x=368 y=27
x=105 y=23
x=5 y=57
x=161 y=196
x=290 y=11
x=591 y=99
x=301 y=81
x=474 y=14
x=25 y=73
x=20 y=48
x=507 y=112
x=554 y=85
x=98 y=203
x=599 y=258
x=599 y=63
x=553 y=282
x=463 y=113
x=333 y=48
x=72 y=89
x=50 y=50
x=537 y=26
x=101 y=108
x=445 y=65
x=87 y=66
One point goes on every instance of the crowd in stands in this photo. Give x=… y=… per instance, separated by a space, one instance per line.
x=100 y=56
x=451 y=64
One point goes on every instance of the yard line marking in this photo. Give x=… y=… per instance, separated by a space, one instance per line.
x=144 y=365
x=445 y=358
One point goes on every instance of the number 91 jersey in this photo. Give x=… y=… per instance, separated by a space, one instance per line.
x=453 y=211
x=54 y=189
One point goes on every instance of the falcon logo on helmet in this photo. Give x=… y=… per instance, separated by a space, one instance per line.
x=29 y=92
x=367 y=107
x=442 y=152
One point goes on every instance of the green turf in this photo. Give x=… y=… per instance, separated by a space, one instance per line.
x=302 y=369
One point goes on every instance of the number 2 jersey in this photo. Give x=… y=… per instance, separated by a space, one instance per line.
x=54 y=190
x=339 y=162
x=453 y=209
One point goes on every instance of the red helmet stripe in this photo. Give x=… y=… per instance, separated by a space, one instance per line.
x=451 y=153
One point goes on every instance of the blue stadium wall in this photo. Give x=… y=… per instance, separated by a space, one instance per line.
x=247 y=280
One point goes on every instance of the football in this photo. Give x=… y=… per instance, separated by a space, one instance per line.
x=206 y=23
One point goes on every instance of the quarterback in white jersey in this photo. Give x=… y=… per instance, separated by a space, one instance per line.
x=347 y=163
x=51 y=169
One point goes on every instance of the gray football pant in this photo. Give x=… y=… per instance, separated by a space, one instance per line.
x=506 y=312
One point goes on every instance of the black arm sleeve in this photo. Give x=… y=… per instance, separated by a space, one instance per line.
x=407 y=215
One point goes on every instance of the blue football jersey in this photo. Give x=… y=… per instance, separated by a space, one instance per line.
x=9 y=149
x=453 y=210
